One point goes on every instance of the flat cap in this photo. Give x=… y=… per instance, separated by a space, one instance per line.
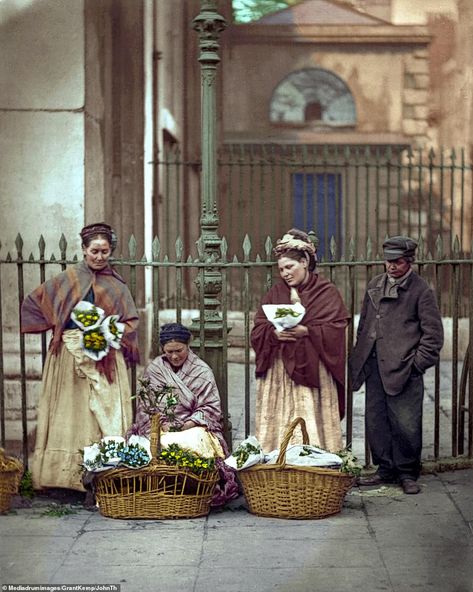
x=399 y=246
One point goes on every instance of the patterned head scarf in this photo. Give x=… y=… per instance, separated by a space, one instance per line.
x=296 y=240
x=174 y=332
x=96 y=229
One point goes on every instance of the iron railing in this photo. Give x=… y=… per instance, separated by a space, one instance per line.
x=348 y=193
x=244 y=281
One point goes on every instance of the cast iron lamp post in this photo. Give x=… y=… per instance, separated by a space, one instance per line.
x=209 y=329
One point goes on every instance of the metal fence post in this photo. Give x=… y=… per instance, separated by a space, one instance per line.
x=209 y=329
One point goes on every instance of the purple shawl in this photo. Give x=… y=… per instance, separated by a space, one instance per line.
x=199 y=401
x=197 y=390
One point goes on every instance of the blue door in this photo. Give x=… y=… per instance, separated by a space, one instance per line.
x=317 y=200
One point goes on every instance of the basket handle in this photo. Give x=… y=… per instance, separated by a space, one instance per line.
x=155 y=435
x=281 y=460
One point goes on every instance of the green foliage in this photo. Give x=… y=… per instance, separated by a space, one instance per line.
x=26 y=485
x=243 y=452
x=154 y=399
x=286 y=312
x=58 y=511
x=245 y=11
x=350 y=462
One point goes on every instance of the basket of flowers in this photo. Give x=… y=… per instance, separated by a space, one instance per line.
x=175 y=482
x=282 y=490
x=11 y=470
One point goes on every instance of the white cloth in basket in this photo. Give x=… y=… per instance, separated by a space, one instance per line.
x=253 y=458
x=311 y=457
x=197 y=440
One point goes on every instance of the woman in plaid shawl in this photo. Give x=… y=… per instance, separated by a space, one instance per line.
x=82 y=400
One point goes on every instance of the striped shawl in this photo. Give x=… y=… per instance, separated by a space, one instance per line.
x=50 y=305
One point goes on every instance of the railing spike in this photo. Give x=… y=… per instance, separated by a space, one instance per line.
x=8 y=258
x=75 y=259
x=246 y=247
x=351 y=249
x=19 y=243
x=63 y=246
x=456 y=246
x=189 y=259
x=42 y=246
x=200 y=248
x=439 y=246
x=31 y=258
x=155 y=248
x=268 y=247
x=420 y=247
x=258 y=258
x=333 y=248
x=224 y=248
x=369 y=248
x=132 y=247
x=179 y=246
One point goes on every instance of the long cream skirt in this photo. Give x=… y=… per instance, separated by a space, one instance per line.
x=279 y=400
x=77 y=407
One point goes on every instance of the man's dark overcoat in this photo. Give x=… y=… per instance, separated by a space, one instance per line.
x=406 y=328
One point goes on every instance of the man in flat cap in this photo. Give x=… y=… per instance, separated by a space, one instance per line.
x=399 y=337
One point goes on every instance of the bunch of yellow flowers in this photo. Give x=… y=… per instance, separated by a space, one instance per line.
x=175 y=455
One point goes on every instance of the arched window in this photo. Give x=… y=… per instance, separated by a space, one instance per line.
x=313 y=95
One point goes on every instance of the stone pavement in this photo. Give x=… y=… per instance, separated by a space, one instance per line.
x=382 y=540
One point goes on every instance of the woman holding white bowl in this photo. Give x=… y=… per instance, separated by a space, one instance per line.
x=300 y=371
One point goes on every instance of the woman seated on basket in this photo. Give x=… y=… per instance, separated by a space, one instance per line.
x=198 y=398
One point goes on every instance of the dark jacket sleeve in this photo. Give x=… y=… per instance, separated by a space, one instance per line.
x=431 y=340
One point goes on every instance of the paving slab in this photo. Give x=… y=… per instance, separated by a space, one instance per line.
x=442 y=530
x=138 y=548
x=296 y=579
x=29 y=567
x=459 y=485
x=424 y=567
x=132 y=578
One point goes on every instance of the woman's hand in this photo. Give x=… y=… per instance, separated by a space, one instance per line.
x=292 y=334
x=187 y=425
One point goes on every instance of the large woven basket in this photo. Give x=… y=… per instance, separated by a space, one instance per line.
x=156 y=491
x=289 y=491
x=11 y=470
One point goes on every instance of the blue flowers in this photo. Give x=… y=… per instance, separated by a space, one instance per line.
x=133 y=455
x=112 y=452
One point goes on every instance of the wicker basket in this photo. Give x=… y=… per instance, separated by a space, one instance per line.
x=289 y=491
x=156 y=491
x=11 y=470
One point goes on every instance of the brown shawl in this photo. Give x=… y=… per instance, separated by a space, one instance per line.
x=326 y=318
x=50 y=306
